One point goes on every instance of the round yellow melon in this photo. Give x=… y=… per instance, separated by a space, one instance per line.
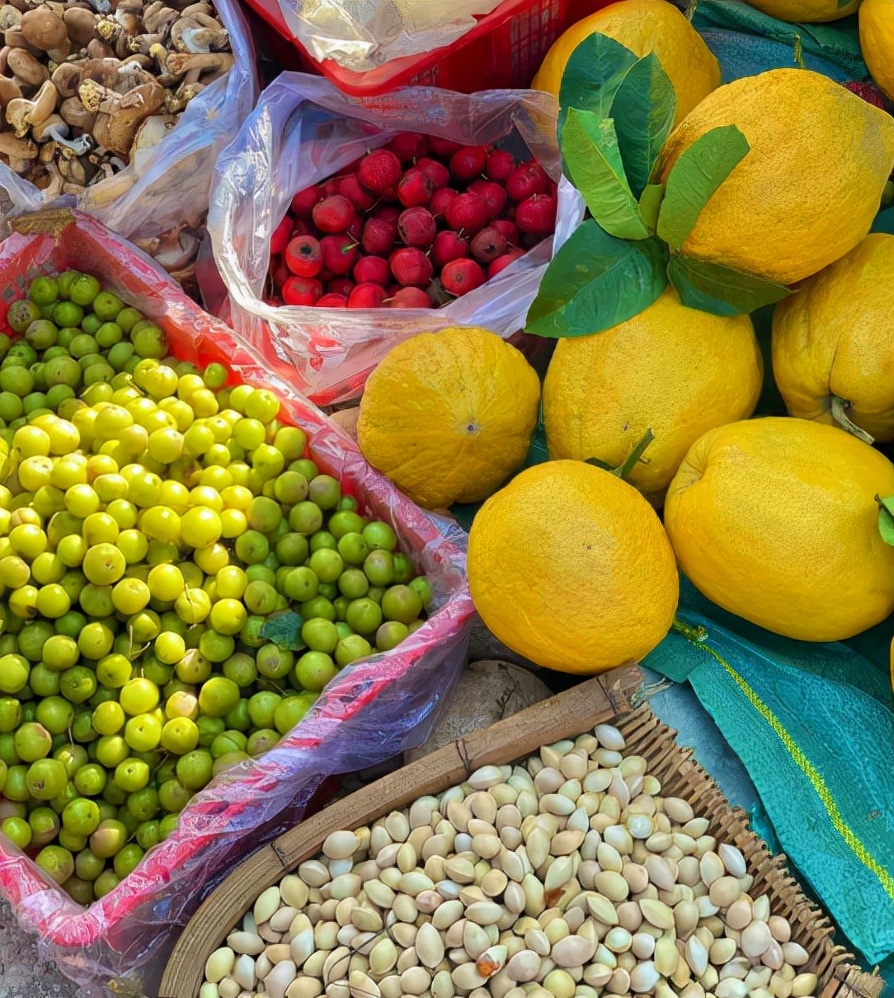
x=808 y=189
x=670 y=369
x=643 y=26
x=448 y=416
x=877 y=41
x=833 y=342
x=570 y=567
x=776 y=521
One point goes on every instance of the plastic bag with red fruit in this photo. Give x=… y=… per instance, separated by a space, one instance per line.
x=302 y=133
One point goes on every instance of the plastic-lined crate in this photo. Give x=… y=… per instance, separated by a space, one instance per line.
x=373 y=710
x=504 y=50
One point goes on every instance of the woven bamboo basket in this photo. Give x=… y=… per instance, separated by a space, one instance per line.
x=609 y=697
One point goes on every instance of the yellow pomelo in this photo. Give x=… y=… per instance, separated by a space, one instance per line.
x=834 y=340
x=448 y=416
x=877 y=41
x=805 y=11
x=808 y=189
x=643 y=26
x=671 y=369
x=776 y=521
x=570 y=567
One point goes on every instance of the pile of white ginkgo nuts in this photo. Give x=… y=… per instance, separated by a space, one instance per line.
x=568 y=875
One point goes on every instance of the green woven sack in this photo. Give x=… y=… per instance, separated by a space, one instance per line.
x=747 y=41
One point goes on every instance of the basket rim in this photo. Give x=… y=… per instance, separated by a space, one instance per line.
x=619 y=701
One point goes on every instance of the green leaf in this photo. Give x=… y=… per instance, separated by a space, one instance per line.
x=886 y=518
x=593 y=74
x=719 y=290
x=643 y=111
x=886 y=526
x=284 y=630
x=596 y=281
x=698 y=172
x=593 y=164
x=650 y=205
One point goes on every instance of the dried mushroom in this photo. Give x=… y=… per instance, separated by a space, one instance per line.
x=89 y=87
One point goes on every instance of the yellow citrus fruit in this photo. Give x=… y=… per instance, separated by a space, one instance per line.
x=643 y=26
x=671 y=369
x=570 y=567
x=877 y=41
x=809 y=188
x=448 y=416
x=776 y=521
x=834 y=340
x=805 y=11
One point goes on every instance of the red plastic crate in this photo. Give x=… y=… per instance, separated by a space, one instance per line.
x=504 y=50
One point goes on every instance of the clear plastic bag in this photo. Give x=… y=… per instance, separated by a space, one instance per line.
x=370 y=712
x=302 y=131
x=170 y=186
x=362 y=34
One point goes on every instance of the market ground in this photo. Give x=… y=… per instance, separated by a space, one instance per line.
x=24 y=975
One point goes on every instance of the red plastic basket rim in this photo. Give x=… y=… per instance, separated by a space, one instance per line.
x=395 y=72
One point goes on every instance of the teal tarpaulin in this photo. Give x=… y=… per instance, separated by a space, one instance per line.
x=814 y=726
x=746 y=41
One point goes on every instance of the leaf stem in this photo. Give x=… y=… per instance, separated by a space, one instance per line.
x=635 y=456
x=840 y=408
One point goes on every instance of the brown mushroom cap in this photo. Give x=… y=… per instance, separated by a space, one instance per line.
x=26 y=68
x=43 y=29
x=14 y=38
x=66 y=78
x=116 y=127
x=17 y=149
x=74 y=112
x=102 y=71
x=9 y=90
x=98 y=49
x=81 y=25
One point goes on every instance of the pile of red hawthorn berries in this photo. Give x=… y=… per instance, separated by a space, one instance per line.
x=411 y=225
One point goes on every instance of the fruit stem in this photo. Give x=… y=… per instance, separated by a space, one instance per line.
x=840 y=408
x=635 y=456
